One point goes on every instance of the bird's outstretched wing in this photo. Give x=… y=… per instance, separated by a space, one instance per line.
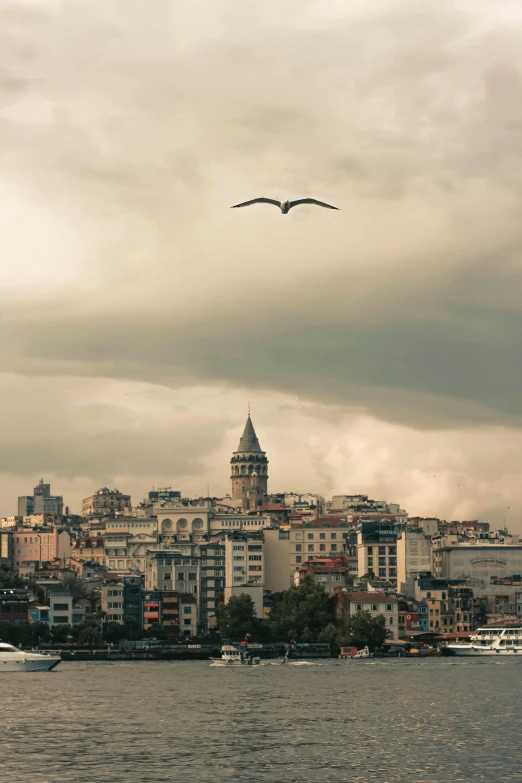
x=311 y=201
x=257 y=201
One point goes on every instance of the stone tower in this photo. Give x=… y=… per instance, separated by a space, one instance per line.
x=249 y=469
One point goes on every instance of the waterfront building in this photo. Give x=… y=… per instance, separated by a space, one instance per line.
x=249 y=470
x=106 y=503
x=322 y=537
x=413 y=558
x=377 y=549
x=64 y=610
x=244 y=567
x=492 y=566
x=375 y=603
x=40 y=502
x=14 y=605
x=112 y=602
x=212 y=582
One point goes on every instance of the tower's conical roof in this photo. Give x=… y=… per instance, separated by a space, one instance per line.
x=249 y=441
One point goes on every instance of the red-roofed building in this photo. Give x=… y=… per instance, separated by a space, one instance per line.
x=376 y=603
x=330 y=572
x=276 y=511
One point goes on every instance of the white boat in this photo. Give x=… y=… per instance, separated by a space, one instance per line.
x=363 y=654
x=235 y=656
x=490 y=641
x=14 y=660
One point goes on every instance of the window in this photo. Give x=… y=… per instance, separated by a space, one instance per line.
x=187 y=610
x=375 y=608
x=392 y=561
x=359 y=607
x=322 y=547
x=310 y=536
x=336 y=578
x=255 y=568
x=239 y=557
x=255 y=548
x=255 y=557
x=428 y=595
x=389 y=608
x=391 y=620
x=333 y=535
x=370 y=550
x=60 y=607
x=187 y=622
x=333 y=547
x=299 y=559
x=393 y=572
x=382 y=550
x=239 y=568
x=192 y=576
x=382 y=561
x=298 y=547
x=443 y=596
x=382 y=572
x=166 y=576
x=60 y=619
x=310 y=547
x=322 y=536
x=392 y=550
x=238 y=548
x=370 y=562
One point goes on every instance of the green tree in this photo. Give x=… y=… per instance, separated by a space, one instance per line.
x=89 y=636
x=59 y=633
x=365 y=630
x=11 y=580
x=237 y=617
x=302 y=613
x=114 y=632
x=75 y=586
x=157 y=631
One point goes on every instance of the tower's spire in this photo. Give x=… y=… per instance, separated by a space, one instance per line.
x=249 y=441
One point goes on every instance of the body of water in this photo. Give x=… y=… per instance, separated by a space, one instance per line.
x=431 y=721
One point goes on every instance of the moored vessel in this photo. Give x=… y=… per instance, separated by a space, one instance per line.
x=505 y=640
x=14 y=660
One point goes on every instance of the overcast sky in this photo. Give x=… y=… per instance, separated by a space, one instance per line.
x=379 y=346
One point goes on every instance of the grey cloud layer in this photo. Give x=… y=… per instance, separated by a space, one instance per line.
x=137 y=130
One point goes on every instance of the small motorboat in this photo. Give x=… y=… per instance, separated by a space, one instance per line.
x=363 y=655
x=14 y=660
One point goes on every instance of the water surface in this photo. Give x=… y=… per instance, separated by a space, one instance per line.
x=149 y=722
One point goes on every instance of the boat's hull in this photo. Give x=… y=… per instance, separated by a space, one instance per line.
x=481 y=652
x=43 y=664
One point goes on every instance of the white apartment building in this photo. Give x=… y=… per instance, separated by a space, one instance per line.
x=173 y=569
x=244 y=566
x=377 y=549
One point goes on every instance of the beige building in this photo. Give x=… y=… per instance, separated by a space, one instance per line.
x=321 y=537
x=375 y=603
x=106 y=503
x=112 y=602
x=277 y=559
x=413 y=558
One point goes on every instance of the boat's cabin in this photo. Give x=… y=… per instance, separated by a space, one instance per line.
x=228 y=651
x=505 y=637
x=8 y=648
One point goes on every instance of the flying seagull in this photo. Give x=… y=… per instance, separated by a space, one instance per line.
x=284 y=206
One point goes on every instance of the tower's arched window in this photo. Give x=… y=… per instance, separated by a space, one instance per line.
x=250 y=469
x=243 y=469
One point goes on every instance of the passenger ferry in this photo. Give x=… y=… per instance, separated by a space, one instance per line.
x=235 y=656
x=506 y=640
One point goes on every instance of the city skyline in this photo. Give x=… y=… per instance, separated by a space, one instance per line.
x=379 y=346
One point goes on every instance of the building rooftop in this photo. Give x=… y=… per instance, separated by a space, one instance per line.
x=363 y=597
x=249 y=441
